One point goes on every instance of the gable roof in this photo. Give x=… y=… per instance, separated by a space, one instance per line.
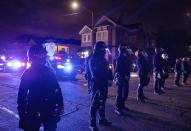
x=105 y=18
x=84 y=28
x=130 y=28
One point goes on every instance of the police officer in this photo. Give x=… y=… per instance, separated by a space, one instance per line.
x=40 y=98
x=177 y=70
x=164 y=69
x=185 y=70
x=143 y=70
x=100 y=75
x=122 y=76
x=157 y=71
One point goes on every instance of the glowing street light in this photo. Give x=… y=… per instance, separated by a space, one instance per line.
x=75 y=5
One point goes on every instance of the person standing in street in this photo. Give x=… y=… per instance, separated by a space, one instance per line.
x=177 y=70
x=143 y=70
x=185 y=70
x=100 y=77
x=40 y=98
x=164 y=69
x=122 y=77
x=157 y=71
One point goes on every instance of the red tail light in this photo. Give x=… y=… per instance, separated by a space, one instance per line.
x=58 y=58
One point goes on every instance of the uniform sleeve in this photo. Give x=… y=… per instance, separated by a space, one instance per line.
x=154 y=61
x=183 y=66
x=128 y=69
x=92 y=69
x=22 y=94
x=58 y=92
x=118 y=67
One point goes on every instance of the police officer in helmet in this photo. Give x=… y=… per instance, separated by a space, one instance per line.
x=100 y=75
x=157 y=71
x=164 y=69
x=143 y=70
x=122 y=76
x=177 y=70
x=185 y=70
x=40 y=98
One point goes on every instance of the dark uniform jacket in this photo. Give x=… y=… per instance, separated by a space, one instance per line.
x=122 y=68
x=177 y=67
x=157 y=63
x=165 y=66
x=185 y=67
x=39 y=92
x=99 y=70
x=143 y=67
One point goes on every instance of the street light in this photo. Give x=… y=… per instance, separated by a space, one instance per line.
x=75 y=6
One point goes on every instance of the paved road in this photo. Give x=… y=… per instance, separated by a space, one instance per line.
x=169 y=112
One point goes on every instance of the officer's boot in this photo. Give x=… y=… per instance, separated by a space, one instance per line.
x=92 y=125
x=140 y=96
x=104 y=122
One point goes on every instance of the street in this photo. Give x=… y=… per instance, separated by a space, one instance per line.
x=168 y=112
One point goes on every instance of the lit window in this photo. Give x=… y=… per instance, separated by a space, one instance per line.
x=102 y=36
x=83 y=38
x=98 y=36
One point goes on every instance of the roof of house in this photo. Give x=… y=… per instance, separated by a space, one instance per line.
x=84 y=28
x=132 y=27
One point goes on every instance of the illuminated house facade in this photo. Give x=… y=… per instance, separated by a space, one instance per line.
x=113 y=34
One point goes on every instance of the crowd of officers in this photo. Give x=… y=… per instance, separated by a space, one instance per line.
x=40 y=99
x=100 y=77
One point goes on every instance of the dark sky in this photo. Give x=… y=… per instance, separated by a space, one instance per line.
x=47 y=17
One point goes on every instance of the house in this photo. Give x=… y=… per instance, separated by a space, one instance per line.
x=65 y=46
x=113 y=34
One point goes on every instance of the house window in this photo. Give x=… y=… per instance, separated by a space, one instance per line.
x=98 y=36
x=105 y=35
x=86 y=37
x=102 y=36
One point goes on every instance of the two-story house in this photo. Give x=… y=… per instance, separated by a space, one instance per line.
x=112 y=34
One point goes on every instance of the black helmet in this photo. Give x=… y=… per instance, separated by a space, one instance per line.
x=36 y=53
x=123 y=48
x=99 y=49
x=99 y=46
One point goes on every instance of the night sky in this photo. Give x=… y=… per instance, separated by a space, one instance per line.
x=47 y=17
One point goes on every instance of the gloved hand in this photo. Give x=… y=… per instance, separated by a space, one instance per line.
x=109 y=82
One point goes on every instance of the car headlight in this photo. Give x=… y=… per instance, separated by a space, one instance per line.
x=60 y=66
x=68 y=67
x=9 y=64
x=15 y=64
